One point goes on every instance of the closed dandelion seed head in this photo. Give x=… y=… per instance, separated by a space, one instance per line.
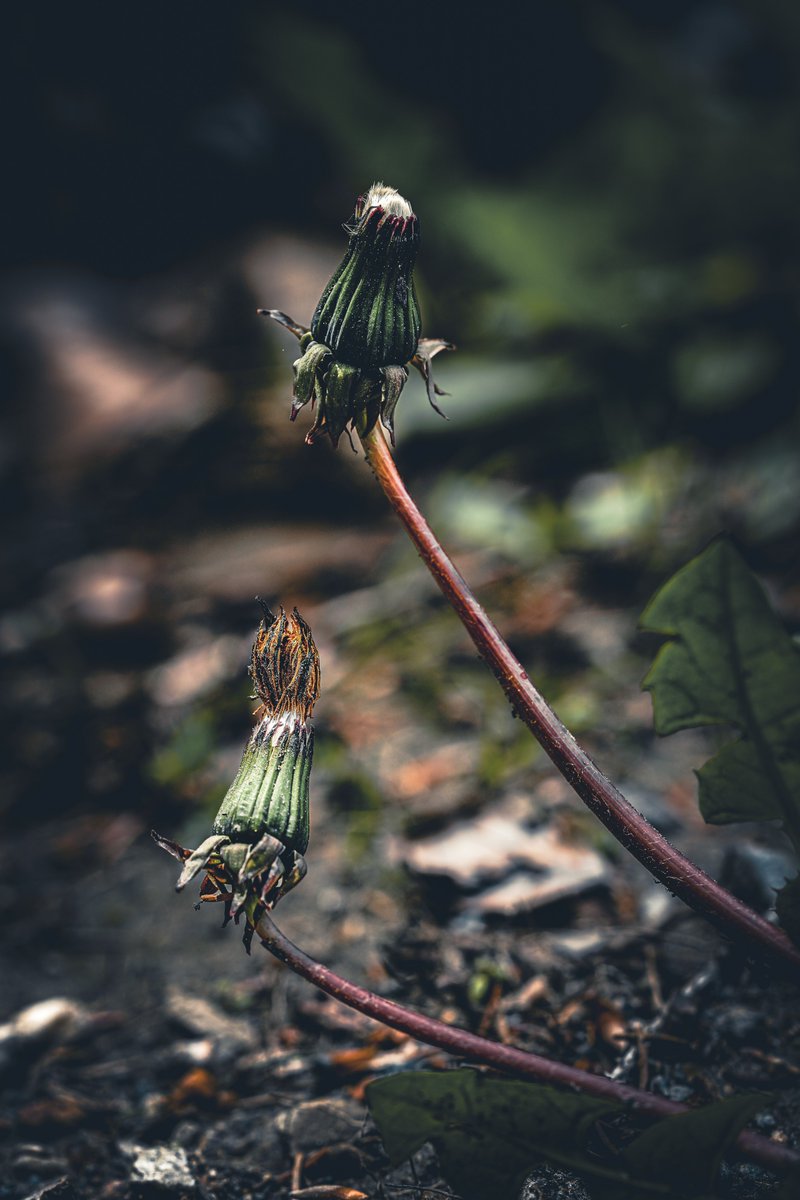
x=365 y=331
x=254 y=855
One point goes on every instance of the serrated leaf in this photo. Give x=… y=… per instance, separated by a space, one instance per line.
x=730 y=662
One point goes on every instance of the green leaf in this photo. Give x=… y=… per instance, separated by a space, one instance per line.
x=489 y=1133
x=730 y=662
x=685 y=1151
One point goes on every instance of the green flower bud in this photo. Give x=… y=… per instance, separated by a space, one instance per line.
x=255 y=853
x=270 y=792
x=366 y=328
x=368 y=315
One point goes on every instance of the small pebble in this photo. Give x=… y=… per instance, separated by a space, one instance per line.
x=165 y=1166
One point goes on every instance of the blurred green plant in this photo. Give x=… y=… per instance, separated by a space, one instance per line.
x=358 y=804
x=190 y=747
x=486 y=974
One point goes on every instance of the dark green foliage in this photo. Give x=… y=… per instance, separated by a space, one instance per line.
x=730 y=662
x=685 y=1151
x=270 y=791
x=488 y=1133
x=788 y=907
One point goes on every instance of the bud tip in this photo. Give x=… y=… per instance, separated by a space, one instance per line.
x=387 y=198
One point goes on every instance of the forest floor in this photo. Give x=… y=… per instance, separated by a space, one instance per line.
x=161 y=1060
x=144 y=1053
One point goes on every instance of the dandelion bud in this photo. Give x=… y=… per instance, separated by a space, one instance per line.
x=368 y=315
x=270 y=791
x=255 y=852
x=365 y=331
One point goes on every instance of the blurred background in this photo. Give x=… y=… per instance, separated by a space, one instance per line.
x=608 y=196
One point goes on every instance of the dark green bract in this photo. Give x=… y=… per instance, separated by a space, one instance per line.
x=368 y=315
x=270 y=791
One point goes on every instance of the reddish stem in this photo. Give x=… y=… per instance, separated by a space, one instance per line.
x=629 y=827
x=509 y=1059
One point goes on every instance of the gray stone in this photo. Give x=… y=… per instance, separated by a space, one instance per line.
x=320 y=1123
x=755 y=873
x=199 y=1016
x=164 y=1166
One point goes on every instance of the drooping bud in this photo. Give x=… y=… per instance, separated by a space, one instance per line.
x=270 y=791
x=255 y=852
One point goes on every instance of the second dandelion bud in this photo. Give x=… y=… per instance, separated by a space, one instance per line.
x=254 y=855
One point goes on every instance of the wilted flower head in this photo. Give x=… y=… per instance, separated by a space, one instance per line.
x=259 y=835
x=365 y=329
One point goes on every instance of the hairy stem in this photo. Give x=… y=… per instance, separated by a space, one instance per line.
x=512 y=1061
x=629 y=827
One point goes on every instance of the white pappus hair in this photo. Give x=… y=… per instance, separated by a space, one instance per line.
x=389 y=199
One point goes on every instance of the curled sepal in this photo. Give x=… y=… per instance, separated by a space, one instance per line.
x=336 y=410
x=308 y=369
x=173 y=848
x=427 y=349
x=394 y=380
x=289 y=323
x=199 y=859
x=261 y=869
x=295 y=875
x=367 y=401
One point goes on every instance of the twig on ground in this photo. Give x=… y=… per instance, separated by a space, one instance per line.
x=629 y=827
x=646 y=1030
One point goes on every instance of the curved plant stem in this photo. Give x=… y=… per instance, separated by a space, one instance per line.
x=629 y=827
x=512 y=1061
